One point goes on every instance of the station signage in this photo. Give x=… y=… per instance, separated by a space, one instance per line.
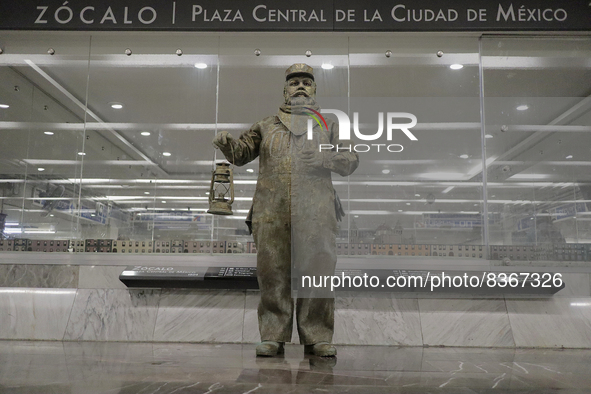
x=303 y=15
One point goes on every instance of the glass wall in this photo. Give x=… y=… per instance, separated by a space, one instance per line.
x=472 y=149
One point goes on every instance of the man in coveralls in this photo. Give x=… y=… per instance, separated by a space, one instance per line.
x=294 y=220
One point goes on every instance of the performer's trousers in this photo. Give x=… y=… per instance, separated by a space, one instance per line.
x=314 y=247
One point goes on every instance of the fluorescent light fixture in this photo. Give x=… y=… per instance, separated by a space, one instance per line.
x=386 y=171
x=146 y=192
x=488 y=136
x=522 y=107
x=441 y=175
x=417 y=195
x=464 y=156
x=48 y=132
x=4 y=106
x=206 y=193
x=407 y=203
x=40 y=169
x=569 y=156
x=81 y=154
x=163 y=202
x=249 y=170
x=166 y=154
x=456 y=66
x=529 y=176
x=145 y=133
x=448 y=190
x=200 y=66
x=116 y=105
x=327 y=66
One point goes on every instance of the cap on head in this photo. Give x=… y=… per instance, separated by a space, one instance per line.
x=299 y=69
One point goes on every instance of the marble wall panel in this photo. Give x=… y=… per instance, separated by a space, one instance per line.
x=465 y=322
x=100 y=277
x=27 y=313
x=552 y=322
x=377 y=319
x=250 y=327
x=113 y=315
x=33 y=275
x=200 y=316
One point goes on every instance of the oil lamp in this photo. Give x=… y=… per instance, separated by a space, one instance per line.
x=221 y=190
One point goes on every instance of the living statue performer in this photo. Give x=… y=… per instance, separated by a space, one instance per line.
x=294 y=213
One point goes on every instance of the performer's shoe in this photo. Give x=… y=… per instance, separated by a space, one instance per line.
x=321 y=349
x=269 y=348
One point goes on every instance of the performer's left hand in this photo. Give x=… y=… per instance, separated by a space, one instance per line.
x=313 y=158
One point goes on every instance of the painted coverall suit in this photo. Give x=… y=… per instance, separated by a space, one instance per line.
x=293 y=221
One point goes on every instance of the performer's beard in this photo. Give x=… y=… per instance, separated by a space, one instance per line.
x=301 y=101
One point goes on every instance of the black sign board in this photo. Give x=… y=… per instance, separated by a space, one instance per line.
x=245 y=278
x=301 y=15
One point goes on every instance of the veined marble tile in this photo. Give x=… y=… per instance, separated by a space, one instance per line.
x=100 y=277
x=462 y=322
x=33 y=275
x=377 y=319
x=552 y=322
x=34 y=313
x=577 y=285
x=113 y=315
x=250 y=327
x=200 y=316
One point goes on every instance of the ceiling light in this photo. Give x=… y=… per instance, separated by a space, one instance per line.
x=456 y=66
x=569 y=156
x=522 y=107
x=400 y=210
x=488 y=136
x=249 y=170
x=81 y=154
x=40 y=169
x=356 y=216
x=407 y=203
x=116 y=105
x=206 y=193
x=385 y=171
x=200 y=66
x=327 y=66
x=464 y=156
x=48 y=132
x=166 y=154
x=163 y=202
x=52 y=215
x=146 y=192
x=145 y=133
x=417 y=195
x=4 y=105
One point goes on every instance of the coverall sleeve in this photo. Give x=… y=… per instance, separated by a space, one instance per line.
x=246 y=148
x=340 y=161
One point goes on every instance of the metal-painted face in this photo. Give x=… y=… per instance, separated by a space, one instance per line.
x=299 y=86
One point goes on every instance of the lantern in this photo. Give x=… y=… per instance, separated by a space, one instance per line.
x=221 y=190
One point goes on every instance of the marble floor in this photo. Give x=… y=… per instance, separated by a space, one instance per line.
x=28 y=367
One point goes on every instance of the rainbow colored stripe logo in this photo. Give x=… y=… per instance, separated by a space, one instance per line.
x=315 y=114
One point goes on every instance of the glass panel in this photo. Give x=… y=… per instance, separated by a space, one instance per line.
x=148 y=152
x=537 y=118
x=412 y=198
x=43 y=96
